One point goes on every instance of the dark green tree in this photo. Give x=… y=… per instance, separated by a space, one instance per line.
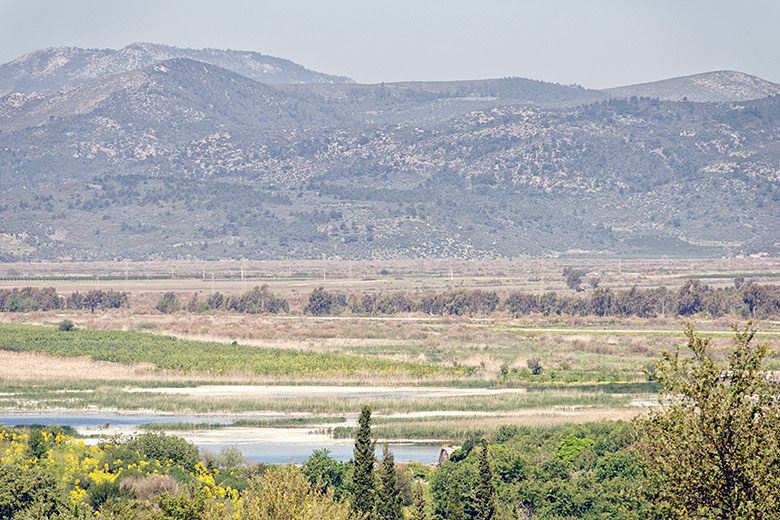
x=320 y=303
x=485 y=491
x=323 y=471
x=454 y=503
x=535 y=366
x=388 y=497
x=691 y=297
x=419 y=509
x=36 y=445
x=163 y=447
x=168 y=304
x=363 y=481
x=30 y=489
x=65 y=326
x=755 y=297
x=93 y=300
x=573 y=278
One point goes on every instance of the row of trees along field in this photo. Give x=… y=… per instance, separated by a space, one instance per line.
x=29 y=299
x=745 y=299
x=259 y=300
x=693 y=297
x=710 y=451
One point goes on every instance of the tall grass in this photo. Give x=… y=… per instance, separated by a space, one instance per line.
x=113 y=398
x=186 y=356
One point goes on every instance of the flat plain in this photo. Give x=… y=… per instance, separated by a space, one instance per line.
x=426 y=377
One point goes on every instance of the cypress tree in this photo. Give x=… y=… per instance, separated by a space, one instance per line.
x=363 y=484
x=454 y=504
x=418 y=505
x=484 y=494
x=388 y=499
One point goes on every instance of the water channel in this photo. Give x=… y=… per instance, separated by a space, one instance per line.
x=266 y=445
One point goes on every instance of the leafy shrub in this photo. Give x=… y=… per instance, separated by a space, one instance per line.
x=99 y=494
x=65 y=326
x=23 y=489
x=228 y=457
x=182 y=506
x=163 y=448
x=286 y=493
x=168 y=304
x=323 y=471
x=36 y=445
x=570 y=448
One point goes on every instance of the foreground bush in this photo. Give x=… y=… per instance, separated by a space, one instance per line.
x=714 y=447
x=285 y=494
x=158 y=446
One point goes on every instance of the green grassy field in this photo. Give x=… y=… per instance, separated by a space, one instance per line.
x=195 y=357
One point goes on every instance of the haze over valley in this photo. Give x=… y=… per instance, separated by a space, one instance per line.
x=349 y=260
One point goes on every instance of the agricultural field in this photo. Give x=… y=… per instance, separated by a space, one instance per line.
x=295 y=279
x=439 y=378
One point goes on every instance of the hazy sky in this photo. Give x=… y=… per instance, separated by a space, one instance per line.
x=596 y=43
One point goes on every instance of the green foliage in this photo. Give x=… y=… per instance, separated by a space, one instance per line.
x=101 y=493
x=285 y=494
x=321 y=303
x=33 y=487
x=419 y=509
x=529 y=479
x=189 y=356
x=388 y=497
x=164 y=447
x=713 y=450
x=323 y=471
x=229 y=457
x=693 y=297
x=573 y=278
x=259 y=300
x=182 y=506
x=570 y=447
x=65 y=326
x=96 y=299
x=508 y=464
x=535 y=366
x=454 y=510
x=363 y=479
x=459 y=302
x=522 y=474
x=36 y=444
x=168 y=303
x=484 y=493
x=28 y=299
x=619 y=465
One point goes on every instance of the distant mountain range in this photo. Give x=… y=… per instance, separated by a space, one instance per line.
x=154 y=152
x=719 y=86
x=59 y=68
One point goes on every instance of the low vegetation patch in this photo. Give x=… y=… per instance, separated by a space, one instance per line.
x=171 y=354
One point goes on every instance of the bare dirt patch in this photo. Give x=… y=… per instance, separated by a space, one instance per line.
x=30 y=365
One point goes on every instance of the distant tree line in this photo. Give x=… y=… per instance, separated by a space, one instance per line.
x=745 y=298
x=259 y=300
x=46 y=299
x=693 y=297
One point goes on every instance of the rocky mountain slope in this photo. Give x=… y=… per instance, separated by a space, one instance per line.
x=60 y=68
x=183 y=159
x=718 y=86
